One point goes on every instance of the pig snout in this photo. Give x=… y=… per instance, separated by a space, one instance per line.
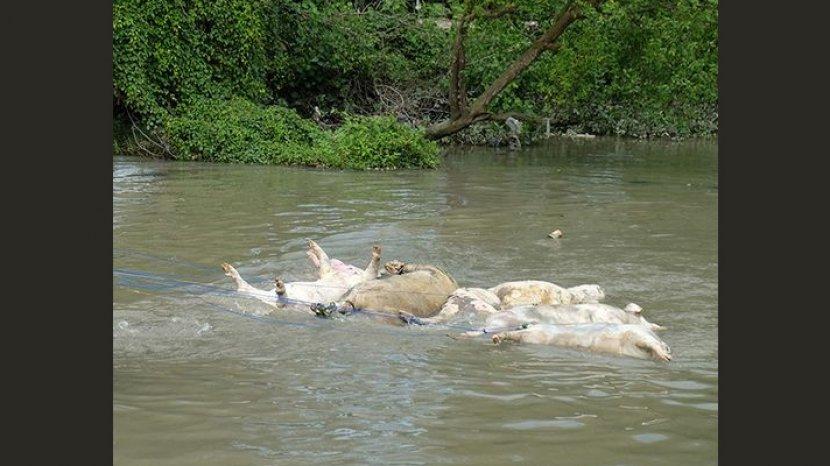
x=662 y=352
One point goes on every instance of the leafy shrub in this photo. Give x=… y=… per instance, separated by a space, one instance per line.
x=382 y=142
x=238 y=130
x=634 y=68
x=167 y=52
x=340 y=54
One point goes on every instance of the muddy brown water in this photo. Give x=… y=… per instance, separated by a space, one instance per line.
x=197 y=382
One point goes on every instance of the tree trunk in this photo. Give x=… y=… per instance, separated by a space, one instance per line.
x=458 y=93
x=462 y=117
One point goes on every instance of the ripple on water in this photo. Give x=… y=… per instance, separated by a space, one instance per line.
x=348 y=434
x=649 y=438
x=703 y=406
x=510 y=397
x=595 y=393
x=545 y=424
x=706 y=406
x=682 y=384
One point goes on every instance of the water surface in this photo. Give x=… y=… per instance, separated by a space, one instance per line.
x=197 y=383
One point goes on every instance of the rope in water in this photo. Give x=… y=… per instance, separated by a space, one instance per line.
x=171 y=260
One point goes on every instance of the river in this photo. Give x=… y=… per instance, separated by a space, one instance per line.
x=196 y=381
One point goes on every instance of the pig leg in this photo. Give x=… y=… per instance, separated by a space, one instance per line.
x=411 y=319
x=470 y=334
x=314 y=260
x=374 y=264
x=443 y=316
x=241 y=285
x=320 y=259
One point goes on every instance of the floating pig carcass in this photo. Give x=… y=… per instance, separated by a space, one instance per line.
x=633 y=340
x=413 y=289
x=519 y=293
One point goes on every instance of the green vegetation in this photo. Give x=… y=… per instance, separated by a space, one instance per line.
x=238 y=130
x=381 y=142
x=238 y=80
x=635 y=68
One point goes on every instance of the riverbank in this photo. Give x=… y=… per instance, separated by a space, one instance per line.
x=241 y=132
x=638 y=70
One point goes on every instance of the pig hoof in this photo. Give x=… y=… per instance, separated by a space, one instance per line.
x=394 y=267
x=376 y=250
x=280 y=287
x=496 y=339
x=409 y=318
x=311 y=244
x=228 y=268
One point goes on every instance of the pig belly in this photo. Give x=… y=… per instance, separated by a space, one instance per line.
x=419 y=293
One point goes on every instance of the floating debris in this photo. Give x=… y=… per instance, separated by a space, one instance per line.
x=204 y=328
x=574 y=135
x=556 y=234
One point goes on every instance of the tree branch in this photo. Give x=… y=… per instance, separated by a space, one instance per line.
x=544 y=42
x=458 y=87
x=458 y=93
x=460 y=116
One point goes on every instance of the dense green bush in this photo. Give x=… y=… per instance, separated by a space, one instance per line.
x=238 y=130
x=167 y=52
x=633 y=68
x=303 y=53
x=340 y=54
x=382 y=142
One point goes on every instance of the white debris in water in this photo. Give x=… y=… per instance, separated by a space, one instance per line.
x=123 y=327
x=206 y=327
x=574 y=135
x=514 y=125
x=555 y=234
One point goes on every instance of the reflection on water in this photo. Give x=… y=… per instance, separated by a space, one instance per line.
x=195 y=384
